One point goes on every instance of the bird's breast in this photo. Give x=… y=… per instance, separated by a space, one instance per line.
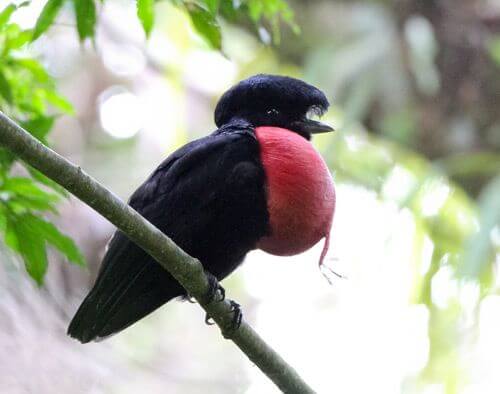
x=300 y=192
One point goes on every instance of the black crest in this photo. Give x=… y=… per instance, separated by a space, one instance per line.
x=270 y=100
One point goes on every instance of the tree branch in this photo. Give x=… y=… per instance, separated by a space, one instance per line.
x=187 y=270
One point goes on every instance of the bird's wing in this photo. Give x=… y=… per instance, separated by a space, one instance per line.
x=209 y=198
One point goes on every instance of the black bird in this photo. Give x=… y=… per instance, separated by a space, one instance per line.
x=255 y=182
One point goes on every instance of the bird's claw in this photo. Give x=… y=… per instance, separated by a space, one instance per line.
x=215 y=291
x=235 y=321
x=237 y=315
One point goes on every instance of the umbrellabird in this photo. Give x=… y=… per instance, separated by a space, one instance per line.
x=256 y=182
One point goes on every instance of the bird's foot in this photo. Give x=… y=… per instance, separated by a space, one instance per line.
x=235 y=321
x=215 y=291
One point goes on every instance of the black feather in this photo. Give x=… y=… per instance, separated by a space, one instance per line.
x=209 y=197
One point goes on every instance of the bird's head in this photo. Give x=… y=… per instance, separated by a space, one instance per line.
x=273 y=100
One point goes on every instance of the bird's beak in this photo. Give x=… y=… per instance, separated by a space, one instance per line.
x=310 y=126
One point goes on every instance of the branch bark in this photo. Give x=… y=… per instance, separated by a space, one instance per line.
x=186 y=269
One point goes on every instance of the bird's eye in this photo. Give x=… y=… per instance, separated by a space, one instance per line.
x=273 y=112
x=314 y=113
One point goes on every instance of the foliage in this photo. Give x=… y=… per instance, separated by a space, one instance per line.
x=204 y=14
x=28 y=95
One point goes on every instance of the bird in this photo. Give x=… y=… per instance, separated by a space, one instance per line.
x=256 y=182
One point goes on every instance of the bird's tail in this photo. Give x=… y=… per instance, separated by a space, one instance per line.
x=130 y=285
x=95 y=320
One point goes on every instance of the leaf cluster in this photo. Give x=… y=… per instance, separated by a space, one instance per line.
x=204 y=14
x=28 y=94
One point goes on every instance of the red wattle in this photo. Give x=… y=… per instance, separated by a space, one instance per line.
x=301 y=194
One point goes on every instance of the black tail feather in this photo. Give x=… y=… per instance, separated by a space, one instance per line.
x=89 y=325
x=130 y=286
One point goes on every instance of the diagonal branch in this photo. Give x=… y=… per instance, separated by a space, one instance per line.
x=187 y=270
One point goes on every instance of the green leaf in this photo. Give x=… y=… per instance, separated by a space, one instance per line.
x=22 y=37
x=30 y=245
x=273 y=11
x=255 y=9
x=35 y=69
x=29 y=235
x=206 y=25
x=10 y=235
x=22 y=186
x=145 y=12
x=24 y=195
x=3 y=219
x=54 y=237
x=212 y=5
x=60 y=102
x=47 y=17
x=39 y=177
x=85 y=18
x=39 y=126
x=21 y=204
x=6 y=13
x=6 y=160
x=229 y=10
x=5 y=89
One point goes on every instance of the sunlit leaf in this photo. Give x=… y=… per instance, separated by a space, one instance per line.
x=206 y=25
x=272 y=11
x=54 y=237
x=85 y=18
x=60 y=102
x=39 y=177
x=29 y=235
x=21 y=185
x=145 y=12
x=16 y=37
x=10 y=235
x=255 y=8
x=5 y=14
x=35 y=68
x=25 y=195
x=212 y=6
x=47 y=17
x=31 y=246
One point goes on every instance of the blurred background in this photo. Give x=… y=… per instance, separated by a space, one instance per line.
x=415 y=93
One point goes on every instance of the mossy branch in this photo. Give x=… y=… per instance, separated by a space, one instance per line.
x=186 y=269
